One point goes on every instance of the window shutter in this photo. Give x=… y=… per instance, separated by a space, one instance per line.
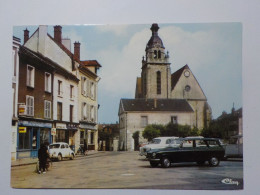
x=95 y=91
x=95 y=114
x=88 y=88
x=82 y=85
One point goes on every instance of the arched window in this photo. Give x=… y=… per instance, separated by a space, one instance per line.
x=155 y=54
x=158 y=76
x=159 y=54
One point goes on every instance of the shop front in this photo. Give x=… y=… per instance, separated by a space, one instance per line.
x=89 y=135
x=30 y=135
x=65 y=132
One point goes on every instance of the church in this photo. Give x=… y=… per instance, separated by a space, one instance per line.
x=161 y=97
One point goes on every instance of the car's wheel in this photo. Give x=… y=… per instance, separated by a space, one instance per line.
x=154 y=164
x=59 y=157
x=165 y=162
x=72 y=157
x=213 y=161
x=201 y=162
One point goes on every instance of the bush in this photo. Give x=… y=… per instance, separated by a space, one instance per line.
x=151 y=132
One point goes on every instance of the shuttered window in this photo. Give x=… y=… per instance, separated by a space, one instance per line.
x=47 y=109
x=30 y=105
x=30 y=76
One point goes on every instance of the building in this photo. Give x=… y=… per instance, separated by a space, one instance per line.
x=162 y=97
x=15 y=79
x=49 y=92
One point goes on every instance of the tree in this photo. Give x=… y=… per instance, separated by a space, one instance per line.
x=151 y=131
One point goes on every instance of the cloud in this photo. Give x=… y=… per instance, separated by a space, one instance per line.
x=118 y=30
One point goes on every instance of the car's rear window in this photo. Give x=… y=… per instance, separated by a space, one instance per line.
x=213 y=143
x=54 y=146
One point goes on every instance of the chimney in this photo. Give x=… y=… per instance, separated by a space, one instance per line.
x=57 y=33
x=77 y=50
x=26 y=36
x=155 y=103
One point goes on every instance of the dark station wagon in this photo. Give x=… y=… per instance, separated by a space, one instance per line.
x=197 y=150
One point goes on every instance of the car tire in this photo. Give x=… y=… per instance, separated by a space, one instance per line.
x=165 y=162
x=72 y=157
x=214 y=161
x=200 y=162
x=59 y=157
x=153 y=164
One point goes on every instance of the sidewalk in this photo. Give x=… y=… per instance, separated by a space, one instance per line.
x=29 y=161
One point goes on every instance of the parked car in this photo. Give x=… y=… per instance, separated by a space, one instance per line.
x=197 y=150
x=159 y=142
x=60 y=150
x=234 y=147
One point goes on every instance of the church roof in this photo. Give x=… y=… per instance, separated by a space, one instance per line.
x=176 y=105
x=155 y=39
x=176 y=75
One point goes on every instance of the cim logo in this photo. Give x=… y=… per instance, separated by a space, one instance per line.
x=229 y=181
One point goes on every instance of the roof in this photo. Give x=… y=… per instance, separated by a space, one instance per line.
x=174 y=105
x=176 y=75
x=90 y=63
x=155 y=39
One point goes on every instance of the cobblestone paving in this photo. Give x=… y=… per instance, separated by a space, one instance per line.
x=126 y=170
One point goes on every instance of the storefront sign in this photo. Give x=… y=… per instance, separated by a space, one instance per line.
x=86 y=126
x=61 y=126
x=53 y=131
x=72 y=126
x=22 y=129
x=22 y=109
x=34 y=124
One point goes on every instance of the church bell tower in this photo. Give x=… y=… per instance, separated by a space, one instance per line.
x=156 y=72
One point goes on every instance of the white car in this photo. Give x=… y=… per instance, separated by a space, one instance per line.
x=60 y=150
x=159 y=142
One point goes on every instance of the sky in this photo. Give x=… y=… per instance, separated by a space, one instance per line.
x=213 y=52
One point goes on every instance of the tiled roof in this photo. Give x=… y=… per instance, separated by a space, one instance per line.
x=176 y=76
x=90 y=63
x=177 y=105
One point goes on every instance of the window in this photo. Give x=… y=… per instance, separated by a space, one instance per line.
x=59 y=111
x=187 y=88
x=47 y=82
x=83 y=85
x=93 y=90
x=24 y=139
x=145 y=84
x=30 y=105
x=84 y=111
x=30 y=76
x=159 y=54
x=71 y=92
x=47 y=109
x=144 y=121
x=174 y=120
x=71 y=113
x=155 y=54
x=44 y=136
x=60 y=92
x=158 y=82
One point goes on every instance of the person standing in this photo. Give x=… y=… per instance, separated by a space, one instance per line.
x=42 y=156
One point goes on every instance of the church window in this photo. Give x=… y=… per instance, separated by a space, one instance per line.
x=155 y=54
x=159 y=54
x=158 y=76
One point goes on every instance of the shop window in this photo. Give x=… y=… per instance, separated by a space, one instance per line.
x=47 y=82
x=30 y=76
x=92 y=138
x=47 y=109
x=30 y=105
x=24 y=139
x=44 y=136
x=34 y=139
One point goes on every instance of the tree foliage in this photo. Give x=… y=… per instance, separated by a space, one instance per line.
x=151 y=132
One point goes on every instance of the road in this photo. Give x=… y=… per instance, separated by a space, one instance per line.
x=128 y=170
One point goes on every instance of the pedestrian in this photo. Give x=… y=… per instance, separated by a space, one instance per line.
x=43 y=156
